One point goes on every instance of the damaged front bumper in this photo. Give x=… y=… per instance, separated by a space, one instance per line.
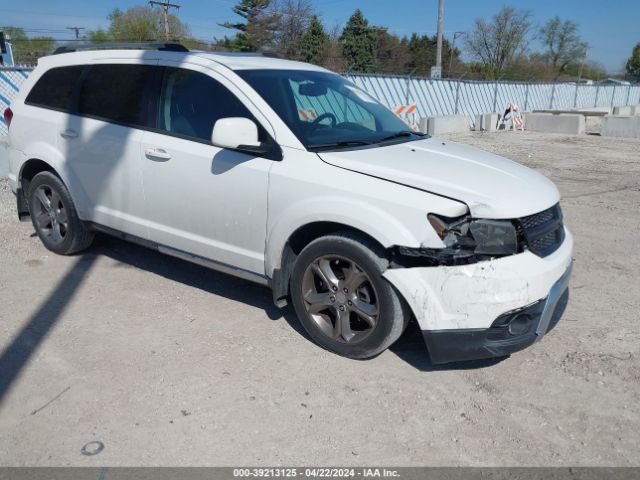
x=487 y=309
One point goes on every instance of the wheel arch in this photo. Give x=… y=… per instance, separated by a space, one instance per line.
x=300 y=238
x=29 y=169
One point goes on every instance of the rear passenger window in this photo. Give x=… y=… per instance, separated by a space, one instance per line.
x=192 y=102
x=55 y=88
x=116 y=93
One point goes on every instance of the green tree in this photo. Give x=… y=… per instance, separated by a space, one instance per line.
x=27 y=50
x=497 y=43
x=562 y=43
x=422 y=54
x=633 y=64
x=392 y=53
x=359 y=42
x=258 y=29
x=314 y=42
x=141 y=24
x=98 y=36
x=294 y=20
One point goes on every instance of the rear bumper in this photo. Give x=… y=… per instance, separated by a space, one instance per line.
x=462 y=310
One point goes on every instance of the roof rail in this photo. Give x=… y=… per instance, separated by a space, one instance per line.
x=267 y=53
x=166 y=47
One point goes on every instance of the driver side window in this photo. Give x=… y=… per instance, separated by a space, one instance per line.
x=345 y=110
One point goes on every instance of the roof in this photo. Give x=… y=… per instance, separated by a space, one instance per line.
x=232 y=60
x=239 y=61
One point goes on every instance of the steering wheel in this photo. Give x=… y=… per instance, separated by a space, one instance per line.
x=321 y=117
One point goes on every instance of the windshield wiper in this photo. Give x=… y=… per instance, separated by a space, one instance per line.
x=344 y=143
x=400 y=134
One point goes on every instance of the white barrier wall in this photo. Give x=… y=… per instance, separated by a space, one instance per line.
x=450 y=97
x=436 y=97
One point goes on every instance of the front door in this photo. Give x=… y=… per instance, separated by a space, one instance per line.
x=201 y=199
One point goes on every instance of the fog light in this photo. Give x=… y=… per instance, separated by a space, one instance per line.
x=520 y=325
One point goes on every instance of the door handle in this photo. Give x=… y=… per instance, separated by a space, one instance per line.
x=157 y=154
x=69 y=134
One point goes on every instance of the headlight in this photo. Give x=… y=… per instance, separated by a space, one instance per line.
x=478 y=237
x=494 y=237
x=466 y=241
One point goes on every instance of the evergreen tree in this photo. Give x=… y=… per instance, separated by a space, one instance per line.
x=359 y=42
x=633 y=64
x=315 y=42
x=258 y=29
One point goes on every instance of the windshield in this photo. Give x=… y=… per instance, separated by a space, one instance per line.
x=325 y=111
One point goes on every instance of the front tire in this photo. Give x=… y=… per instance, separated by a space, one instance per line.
x=341 y=298
x=54 y=216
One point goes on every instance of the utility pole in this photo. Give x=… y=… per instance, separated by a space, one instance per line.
x=437 y=71
x=77 y=30
x=453 y=47
x=165 y=6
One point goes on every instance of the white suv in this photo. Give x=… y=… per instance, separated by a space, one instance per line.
x=286 y=174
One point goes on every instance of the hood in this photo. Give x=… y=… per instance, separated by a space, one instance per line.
x=492 y=186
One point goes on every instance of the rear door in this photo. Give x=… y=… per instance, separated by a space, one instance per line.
x=101 y=142
x=202 y=199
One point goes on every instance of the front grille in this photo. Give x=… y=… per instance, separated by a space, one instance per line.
x=543 y=232
x=536 y=219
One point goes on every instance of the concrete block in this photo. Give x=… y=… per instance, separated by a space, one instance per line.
x=568 y=124
x=423 y=125
x=627 y=127
x=594 y=110
x=486 y=122
x=624 y=111
x=635 y=110
x=447 y=124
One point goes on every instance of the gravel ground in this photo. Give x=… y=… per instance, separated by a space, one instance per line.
x=167 y=363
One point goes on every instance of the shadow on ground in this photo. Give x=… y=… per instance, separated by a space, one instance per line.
x=410 y=347
x=17 y=355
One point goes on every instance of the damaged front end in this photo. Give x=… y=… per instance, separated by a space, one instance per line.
x=467 y=240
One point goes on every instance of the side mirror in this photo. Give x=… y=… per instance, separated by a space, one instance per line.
x=241 y=134
x=236 y=133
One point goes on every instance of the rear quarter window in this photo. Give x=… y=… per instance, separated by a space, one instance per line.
x=116 y=93
x=55 y=88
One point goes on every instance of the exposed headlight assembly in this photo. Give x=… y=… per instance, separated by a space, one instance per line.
x=481 y=237
x=466 y=240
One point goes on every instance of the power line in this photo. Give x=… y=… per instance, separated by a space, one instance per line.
x=165 y=6
x=77 y=30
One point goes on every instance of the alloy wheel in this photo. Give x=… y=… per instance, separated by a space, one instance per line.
x=50 y=214
x=340 y=298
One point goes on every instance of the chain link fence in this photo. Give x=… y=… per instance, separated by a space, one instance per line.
x=438 y=96
x=10 y=80
x=471 y=97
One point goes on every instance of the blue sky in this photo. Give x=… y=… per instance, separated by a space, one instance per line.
x=611 y=28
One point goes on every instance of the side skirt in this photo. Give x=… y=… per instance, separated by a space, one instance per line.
x=189 y=257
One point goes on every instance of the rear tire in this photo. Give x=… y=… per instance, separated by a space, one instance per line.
x=54 y=216
x=341 y=298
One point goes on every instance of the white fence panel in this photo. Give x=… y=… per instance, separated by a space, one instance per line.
x=438 y=96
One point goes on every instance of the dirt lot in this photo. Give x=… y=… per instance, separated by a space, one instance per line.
x=167 y=363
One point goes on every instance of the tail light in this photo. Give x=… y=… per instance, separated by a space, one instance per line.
x=8 y=116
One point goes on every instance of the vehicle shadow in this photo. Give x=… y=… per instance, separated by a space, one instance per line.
x=18 y=353
x=193 y=275
x=410 y=347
